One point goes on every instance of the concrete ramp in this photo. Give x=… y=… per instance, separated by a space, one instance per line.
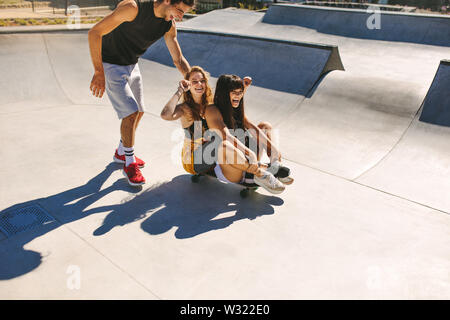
x=353 y=119
x=393 y=26
x=287 y=66
x=436 y=107
x=418 y=167
x=365 y=168
x=17 y=68
x=350 y=123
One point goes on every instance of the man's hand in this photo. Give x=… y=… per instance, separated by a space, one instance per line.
x=98 y=84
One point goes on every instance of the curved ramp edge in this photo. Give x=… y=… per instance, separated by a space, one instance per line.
x=350 y=123
x=418 y=167
x=403 y=27
x=18 y=55
x=287 y=66
x=436 y=106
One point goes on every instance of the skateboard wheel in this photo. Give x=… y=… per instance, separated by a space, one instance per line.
x=244 y=193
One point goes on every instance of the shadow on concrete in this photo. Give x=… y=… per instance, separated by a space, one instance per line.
x=192 y=208
x=66 y=207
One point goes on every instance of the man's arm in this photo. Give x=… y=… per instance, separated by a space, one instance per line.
x=127 y=10
x=175 y=51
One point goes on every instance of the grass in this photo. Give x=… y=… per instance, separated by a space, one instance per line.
x=43 y=21
x=15 y=4
x=250 y=6
x=12 y=1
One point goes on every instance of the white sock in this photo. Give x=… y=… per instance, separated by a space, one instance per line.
x=129 y=156
x=120 y=150
x=274 y=166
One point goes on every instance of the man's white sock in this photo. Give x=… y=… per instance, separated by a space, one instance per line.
x=129 y=156
x=120 y=150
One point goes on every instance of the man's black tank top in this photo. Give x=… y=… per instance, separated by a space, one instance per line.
x=125 y=44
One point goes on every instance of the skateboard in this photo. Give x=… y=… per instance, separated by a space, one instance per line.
x=248 y=188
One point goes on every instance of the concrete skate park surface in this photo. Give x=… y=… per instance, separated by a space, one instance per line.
x=366 y=218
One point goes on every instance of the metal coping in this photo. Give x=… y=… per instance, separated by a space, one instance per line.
x=333 y=63
x=46 y=29
x=247 y=37
x=361 y=10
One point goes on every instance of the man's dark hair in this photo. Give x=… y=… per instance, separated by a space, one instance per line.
x=190 y=3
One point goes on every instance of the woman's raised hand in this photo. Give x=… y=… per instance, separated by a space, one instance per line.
x=184 y=85
x=247 y=82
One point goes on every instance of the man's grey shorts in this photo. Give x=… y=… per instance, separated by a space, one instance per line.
x=124 y=88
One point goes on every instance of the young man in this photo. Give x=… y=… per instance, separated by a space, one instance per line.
x=116 y=43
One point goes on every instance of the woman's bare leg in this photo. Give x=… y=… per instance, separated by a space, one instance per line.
x=233 y=163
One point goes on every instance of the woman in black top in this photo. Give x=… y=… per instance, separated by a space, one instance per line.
x=228 y=115
x=208 y=144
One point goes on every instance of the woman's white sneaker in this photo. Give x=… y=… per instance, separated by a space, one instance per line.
x=281 y=172
x=270 y=183
x=286 y=180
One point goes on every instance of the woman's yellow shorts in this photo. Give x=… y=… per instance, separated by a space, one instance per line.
x=187 y=156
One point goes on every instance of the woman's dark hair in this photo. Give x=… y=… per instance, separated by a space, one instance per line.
x=233 y=117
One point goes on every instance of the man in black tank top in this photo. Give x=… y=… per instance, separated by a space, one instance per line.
x=116 y=43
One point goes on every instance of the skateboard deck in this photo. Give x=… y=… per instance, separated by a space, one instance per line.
x=248 y=188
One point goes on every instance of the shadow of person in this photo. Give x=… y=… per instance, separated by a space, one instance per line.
x=66 y=207
x=192 y=208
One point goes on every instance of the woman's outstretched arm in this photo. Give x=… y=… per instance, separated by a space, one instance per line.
x=217 y=125
x=172 y=110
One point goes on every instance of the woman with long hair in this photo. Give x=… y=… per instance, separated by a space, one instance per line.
x=197 y=95
x=207 y=150
x=228 y=116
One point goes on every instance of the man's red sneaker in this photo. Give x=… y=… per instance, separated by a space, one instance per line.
x=133 y=175
x=121 y=159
